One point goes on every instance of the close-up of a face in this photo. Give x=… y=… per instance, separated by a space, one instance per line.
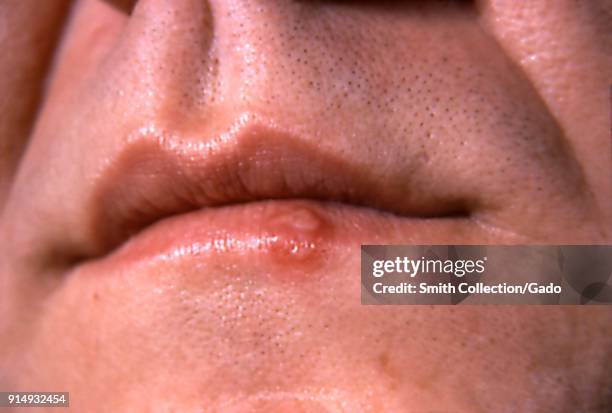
x=185 y=186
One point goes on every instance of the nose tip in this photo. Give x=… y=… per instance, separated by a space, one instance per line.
x=196 y=57
x=164 y=55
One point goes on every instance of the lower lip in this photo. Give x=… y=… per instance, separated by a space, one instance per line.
x=291 y=238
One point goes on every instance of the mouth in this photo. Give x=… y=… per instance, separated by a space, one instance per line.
x=255 y=189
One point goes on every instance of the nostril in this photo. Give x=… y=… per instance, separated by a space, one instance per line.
x=401 y=5
x=125 y=6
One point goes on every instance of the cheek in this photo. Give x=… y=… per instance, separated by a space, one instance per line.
x=565 y=53
x=26 y=58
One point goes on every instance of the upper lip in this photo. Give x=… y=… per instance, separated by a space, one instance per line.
x=157 y=176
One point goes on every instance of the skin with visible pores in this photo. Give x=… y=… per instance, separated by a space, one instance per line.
x=500 y=107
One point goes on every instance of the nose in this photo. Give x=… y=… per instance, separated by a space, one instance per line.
x=207 y=60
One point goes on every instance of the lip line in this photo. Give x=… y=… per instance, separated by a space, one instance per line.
x=197 y=233
x=296 y=202
x=156 y=176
